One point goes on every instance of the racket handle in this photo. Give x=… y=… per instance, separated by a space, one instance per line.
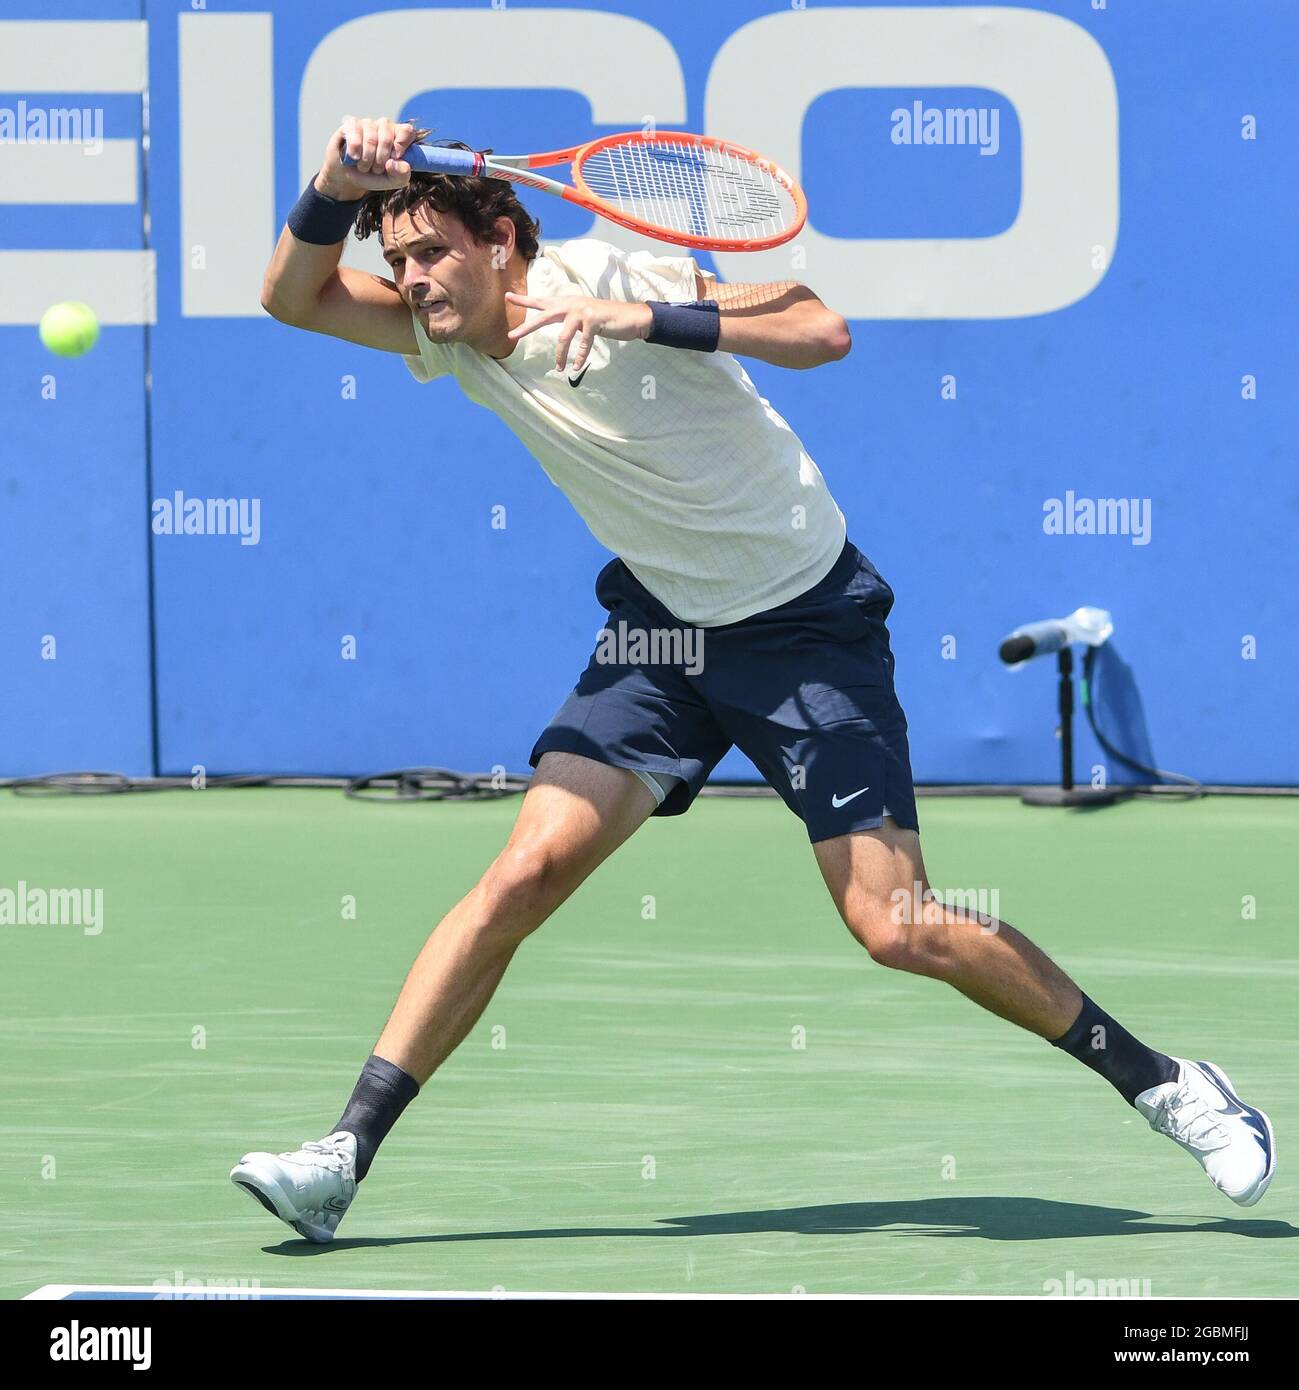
x=429 y=159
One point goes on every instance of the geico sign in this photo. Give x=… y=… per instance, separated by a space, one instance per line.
x=759 y=86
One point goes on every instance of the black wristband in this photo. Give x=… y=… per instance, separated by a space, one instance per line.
x=697 y=325
x=321 y=220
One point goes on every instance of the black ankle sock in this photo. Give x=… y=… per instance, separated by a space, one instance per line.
x=382 y=1092
x=1110 y=1050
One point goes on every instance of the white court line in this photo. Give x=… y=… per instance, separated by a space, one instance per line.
x=233 y=1295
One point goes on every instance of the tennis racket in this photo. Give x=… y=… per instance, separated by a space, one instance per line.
x=691 y=190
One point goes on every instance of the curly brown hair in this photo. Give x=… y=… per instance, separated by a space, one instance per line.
x=476 y=202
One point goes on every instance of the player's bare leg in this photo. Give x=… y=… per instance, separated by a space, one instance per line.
x=873 y=876
x=878 y=882
x=575 y=814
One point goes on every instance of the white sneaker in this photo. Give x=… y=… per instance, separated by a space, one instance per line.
x=1230 y=1140
x=310 y=1189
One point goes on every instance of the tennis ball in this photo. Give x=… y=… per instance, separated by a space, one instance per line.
x=69 y=329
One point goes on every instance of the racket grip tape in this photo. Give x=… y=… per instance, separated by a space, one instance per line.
x=426 y=159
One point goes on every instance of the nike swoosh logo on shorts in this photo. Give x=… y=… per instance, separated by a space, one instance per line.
x=837 y=801
x=577 y=380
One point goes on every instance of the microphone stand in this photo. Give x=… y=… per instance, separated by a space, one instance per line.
x=1066 y=794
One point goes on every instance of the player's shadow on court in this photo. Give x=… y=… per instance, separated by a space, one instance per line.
x=944 y=1218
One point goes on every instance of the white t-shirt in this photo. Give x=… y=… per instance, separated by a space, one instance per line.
x=671 y=457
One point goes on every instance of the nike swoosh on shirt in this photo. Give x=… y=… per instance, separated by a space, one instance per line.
x=577 y=380
x=837 y=801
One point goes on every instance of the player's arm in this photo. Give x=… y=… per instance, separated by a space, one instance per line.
x=304 y=284
x=783 y=323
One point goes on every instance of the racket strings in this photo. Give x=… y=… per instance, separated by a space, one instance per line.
x=697 y=190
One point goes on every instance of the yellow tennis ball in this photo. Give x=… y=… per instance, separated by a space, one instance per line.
x=69 y=329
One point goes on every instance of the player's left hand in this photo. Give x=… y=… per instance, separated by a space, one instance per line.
x=583 y=320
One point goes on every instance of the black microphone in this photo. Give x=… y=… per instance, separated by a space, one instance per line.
x=1033 y=639
x=1090 y=625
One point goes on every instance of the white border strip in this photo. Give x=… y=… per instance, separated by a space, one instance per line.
x=60 y=1291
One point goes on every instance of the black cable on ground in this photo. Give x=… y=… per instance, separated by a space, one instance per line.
x=441 y=784
x=434 y=784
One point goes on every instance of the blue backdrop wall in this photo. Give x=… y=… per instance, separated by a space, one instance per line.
x=1097 y=302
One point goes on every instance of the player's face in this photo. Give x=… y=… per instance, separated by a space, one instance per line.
x=451 y=281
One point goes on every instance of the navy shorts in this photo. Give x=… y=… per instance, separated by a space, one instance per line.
x=804 y=689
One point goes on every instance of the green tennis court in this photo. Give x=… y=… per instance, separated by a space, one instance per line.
x=691 y=1080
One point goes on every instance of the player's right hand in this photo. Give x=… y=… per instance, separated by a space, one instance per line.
x=377 y=144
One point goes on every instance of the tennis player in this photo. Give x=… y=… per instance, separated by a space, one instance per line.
x=618 y=371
